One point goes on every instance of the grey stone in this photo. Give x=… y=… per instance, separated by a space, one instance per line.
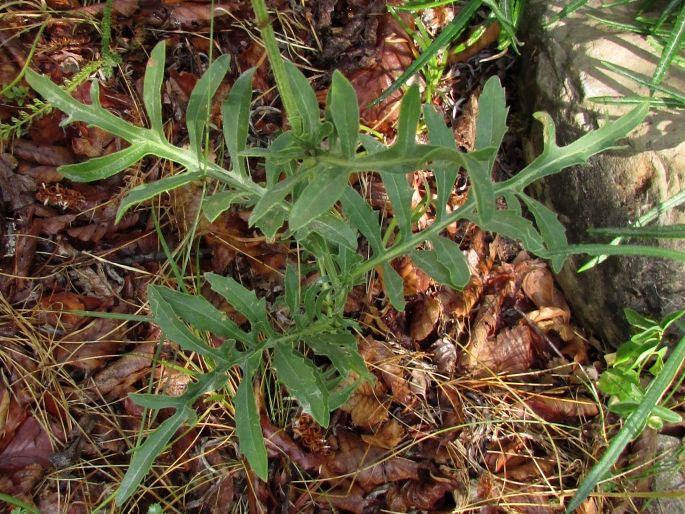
x=668 y=478
x=561 y=69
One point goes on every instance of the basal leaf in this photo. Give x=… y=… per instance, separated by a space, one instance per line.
x=491 y=123
x=318 y=197
x=157 y=401
x=551 y=229
x=482 y=186
x=198 y=312
x=303 y=381
x=345 y=113
x=236 y=119
x=428 y=262
x=144 y=192
x=334 y=229
x=220 y=202
x=292 y=289
x=307 y=104
x=394 y=287
x=451 y=257
x=341 y=349
x=200 y=102
x=445 y=173
x=93 y=115
x=145 y=455
x=410 y=111
x=99 y=168
x=170 y=323
x=152 y=85
x=363 y=218
x=248 y=429
x=241 y=298
x=275 y=195
x=510 y=224
x=400 y=194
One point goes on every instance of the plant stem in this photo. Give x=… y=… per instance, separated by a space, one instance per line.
x=277 y=66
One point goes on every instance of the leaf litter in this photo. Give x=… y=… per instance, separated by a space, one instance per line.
x=480 y=400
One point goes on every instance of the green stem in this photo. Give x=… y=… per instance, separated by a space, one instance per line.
x=277 y=66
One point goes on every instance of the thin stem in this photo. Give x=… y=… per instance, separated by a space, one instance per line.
x=277 y=66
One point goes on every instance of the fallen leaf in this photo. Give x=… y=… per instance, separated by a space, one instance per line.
x=425 y=316
x=30 y=445
x=560 y=409
x=388 y=436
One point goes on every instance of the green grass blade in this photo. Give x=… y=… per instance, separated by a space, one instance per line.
x=449 y=33
x=632 y=426
x=671 y=49
x=666 y=232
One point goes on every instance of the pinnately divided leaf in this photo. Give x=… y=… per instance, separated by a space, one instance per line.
x=318 y=197
x=394 y=287
x=241 y=298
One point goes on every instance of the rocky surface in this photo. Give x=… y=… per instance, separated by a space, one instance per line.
x=562 y=68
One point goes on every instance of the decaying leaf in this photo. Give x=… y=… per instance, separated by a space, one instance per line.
x=425 y=315
x=561 y=409
x=388 y=436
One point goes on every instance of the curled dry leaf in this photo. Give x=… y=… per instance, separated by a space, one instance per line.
x=388 y=436
x=555 y=409
x=370 y=466
x=414 y=279
x=280 y=443
x=538 y=284
x=367 y=410
x=123 y=372
x=15 y=190
x=20 y=482
x=380 y=357
x=393 y=55
x=30 y=445
x=445 y=356
x=425 y=496
x=54 y=309
x=425 y=316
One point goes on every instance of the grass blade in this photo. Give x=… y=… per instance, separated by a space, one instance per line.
x=632 y=426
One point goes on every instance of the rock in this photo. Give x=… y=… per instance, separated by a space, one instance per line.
x=561 y=69
x=670 y=478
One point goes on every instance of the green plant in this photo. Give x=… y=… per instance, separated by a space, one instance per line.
x=622 y=381
x=639 y=405
x=306 y=200
x=505 y=12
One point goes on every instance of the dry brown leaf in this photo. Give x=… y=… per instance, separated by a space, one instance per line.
x=123 y=372
x=388 y=436
x=279 y=443
x=30 y=445
x=561 y=409
x=538 y=284
x=368 y=465
x=425 y=496
x=531 y=471
x=88 y=348
x=367 y=410
x=47 y=155
x=425 y=316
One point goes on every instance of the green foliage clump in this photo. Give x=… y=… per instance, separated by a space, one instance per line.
x=306 y=199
